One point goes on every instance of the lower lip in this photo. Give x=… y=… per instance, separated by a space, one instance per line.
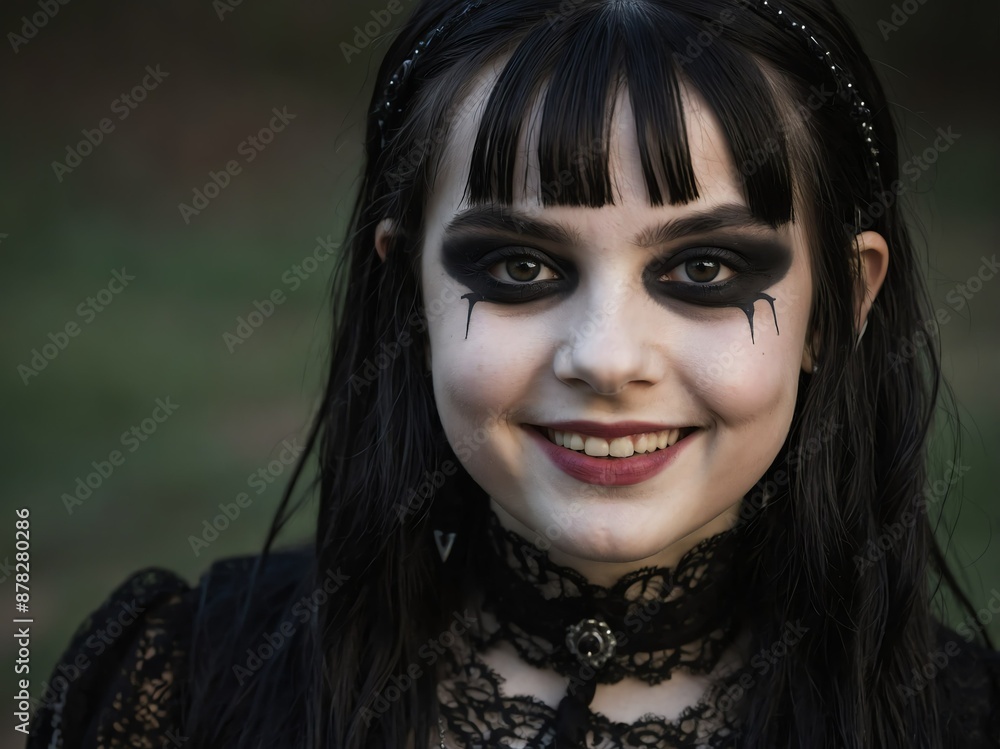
x=608 y=471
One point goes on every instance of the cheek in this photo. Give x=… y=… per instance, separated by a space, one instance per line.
x=734 y=381
x=476 y=386
x=741 y=381
x=470 y=376
x=475 y=378
x=487 y=372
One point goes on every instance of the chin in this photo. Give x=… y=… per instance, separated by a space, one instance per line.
x=614 y=545
x=615 y=533
x=618 y=552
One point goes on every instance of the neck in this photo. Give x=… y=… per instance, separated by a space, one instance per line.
x=646 y=622
x=605 y=573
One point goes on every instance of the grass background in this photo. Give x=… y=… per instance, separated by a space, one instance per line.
x=162 y=336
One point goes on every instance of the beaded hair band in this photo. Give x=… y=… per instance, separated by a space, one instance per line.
x=860 y=112
x=387 y=110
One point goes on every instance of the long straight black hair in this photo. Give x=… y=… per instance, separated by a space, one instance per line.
x=853 y=464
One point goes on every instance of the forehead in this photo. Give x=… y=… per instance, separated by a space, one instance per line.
x=716 y=175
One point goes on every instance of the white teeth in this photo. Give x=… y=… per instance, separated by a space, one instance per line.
x=597 y=447
x=619 y=447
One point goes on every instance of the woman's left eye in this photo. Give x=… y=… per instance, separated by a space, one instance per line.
x=522 y=269
x=702 y=270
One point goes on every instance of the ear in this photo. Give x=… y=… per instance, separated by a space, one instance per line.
x=870 y=266
x=383 y=234
x=873 y=262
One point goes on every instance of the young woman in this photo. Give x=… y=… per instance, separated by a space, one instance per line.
x=612 y=452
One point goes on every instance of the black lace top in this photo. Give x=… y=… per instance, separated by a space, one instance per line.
x=657 y=622
x=126 y=690
x=133 y=692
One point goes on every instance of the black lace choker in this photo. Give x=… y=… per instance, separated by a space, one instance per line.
x=651 y=622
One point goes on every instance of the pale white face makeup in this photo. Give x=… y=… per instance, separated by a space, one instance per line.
x=609 y=347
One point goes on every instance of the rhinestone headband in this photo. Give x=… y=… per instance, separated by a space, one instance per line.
x=387 y=110
x=860 y=112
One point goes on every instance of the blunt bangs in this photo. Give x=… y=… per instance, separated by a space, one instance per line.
x=579 y=62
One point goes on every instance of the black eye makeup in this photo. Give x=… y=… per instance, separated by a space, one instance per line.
x=477 y=262
x=756 y=264
x=474 y=262
x=732 y=270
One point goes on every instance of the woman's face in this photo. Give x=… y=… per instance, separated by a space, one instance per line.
x=656 y=315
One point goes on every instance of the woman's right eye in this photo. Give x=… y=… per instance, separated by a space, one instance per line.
x=511 y=274
x=520 y=269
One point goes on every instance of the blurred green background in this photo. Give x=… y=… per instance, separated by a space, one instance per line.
x=61 y=237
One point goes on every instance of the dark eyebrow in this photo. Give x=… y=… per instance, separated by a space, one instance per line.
x=721 y=217
x=502 y=218
x=506 y=219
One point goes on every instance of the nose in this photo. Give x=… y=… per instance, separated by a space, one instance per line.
x=609 y=341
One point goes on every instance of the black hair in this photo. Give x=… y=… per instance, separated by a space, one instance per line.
x=854 y=461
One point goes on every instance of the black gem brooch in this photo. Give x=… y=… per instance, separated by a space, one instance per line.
x=591 y=641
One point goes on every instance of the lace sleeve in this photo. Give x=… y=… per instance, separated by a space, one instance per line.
x=120 y=681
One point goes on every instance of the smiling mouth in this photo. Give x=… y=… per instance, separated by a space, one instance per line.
x=619 y=447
